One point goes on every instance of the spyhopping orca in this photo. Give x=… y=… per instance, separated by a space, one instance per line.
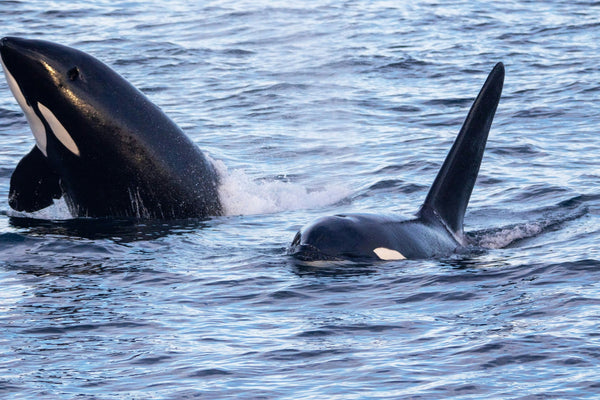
x=437 y=229
x=100 y=142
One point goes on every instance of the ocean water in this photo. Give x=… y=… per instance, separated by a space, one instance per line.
x=312 y=109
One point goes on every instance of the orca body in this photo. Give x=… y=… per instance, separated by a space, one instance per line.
x=437 y=229
x=100 y=142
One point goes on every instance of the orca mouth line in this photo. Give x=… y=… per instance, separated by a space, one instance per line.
x=307 y=252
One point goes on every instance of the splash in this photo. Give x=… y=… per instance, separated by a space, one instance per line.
x=503 y=237
x=239 y=193
x=499 y=238
x=242 y=195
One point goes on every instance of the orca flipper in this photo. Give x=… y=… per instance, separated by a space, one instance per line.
x=34 y=184
x=451 y=190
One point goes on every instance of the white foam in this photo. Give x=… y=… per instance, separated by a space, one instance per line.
x=239 y=195
x=242 y=195
x=506 y=236
x=58 y=211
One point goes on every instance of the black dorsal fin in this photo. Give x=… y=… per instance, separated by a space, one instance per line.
x=34 y=184
x=451 y=190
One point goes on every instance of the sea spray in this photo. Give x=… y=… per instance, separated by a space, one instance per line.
x=241 y=194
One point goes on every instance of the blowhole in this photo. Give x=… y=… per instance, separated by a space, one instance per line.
x=73 y=73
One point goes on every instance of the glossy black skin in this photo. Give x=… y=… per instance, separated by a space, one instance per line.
x=355 y=236
x=438 y=228
x=134 y=161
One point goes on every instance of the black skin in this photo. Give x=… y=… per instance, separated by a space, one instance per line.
x=437 y=229
x=355 y=236
x=133 y=162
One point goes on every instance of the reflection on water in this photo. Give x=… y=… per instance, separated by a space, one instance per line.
x=117 y=230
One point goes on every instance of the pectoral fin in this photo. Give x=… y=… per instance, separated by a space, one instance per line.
x=34 y=184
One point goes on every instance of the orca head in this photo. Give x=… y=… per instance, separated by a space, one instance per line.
x=341 y=237
x=49 y=82
x=73 y=103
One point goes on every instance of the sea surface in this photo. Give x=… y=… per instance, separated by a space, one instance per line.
x=310 y=109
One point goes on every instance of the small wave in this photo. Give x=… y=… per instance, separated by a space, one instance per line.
x=242 y=195
x=538 y=112
x=449 y=102
x=405 y=64
x=396 y=186
x=210 y=372
x=525 y=149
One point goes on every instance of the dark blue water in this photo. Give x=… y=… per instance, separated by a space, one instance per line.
x=313 y=109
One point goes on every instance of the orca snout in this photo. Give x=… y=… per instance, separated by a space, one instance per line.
x=4 y=44
x=19 y=53
x=13 y=51
x=8 y=43
x=14 y=42
x=5 y=41
x=308 y=252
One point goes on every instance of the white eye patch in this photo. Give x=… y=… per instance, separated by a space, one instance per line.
x=58 y=129
x=388 y=254
x=35 y=123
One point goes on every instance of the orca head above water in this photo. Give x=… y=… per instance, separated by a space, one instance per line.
x=370 y=236
x=100 y=142
x=438 y=228
x=47 y=80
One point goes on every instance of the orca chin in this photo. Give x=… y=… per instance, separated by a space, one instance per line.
x=437 y=230
x=100 y=143
x=308 y=252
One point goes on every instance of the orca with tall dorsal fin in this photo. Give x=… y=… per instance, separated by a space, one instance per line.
x=100 y=142
x=437 y=229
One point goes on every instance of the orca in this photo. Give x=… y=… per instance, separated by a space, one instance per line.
x=100 y=143
x=437 y=230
